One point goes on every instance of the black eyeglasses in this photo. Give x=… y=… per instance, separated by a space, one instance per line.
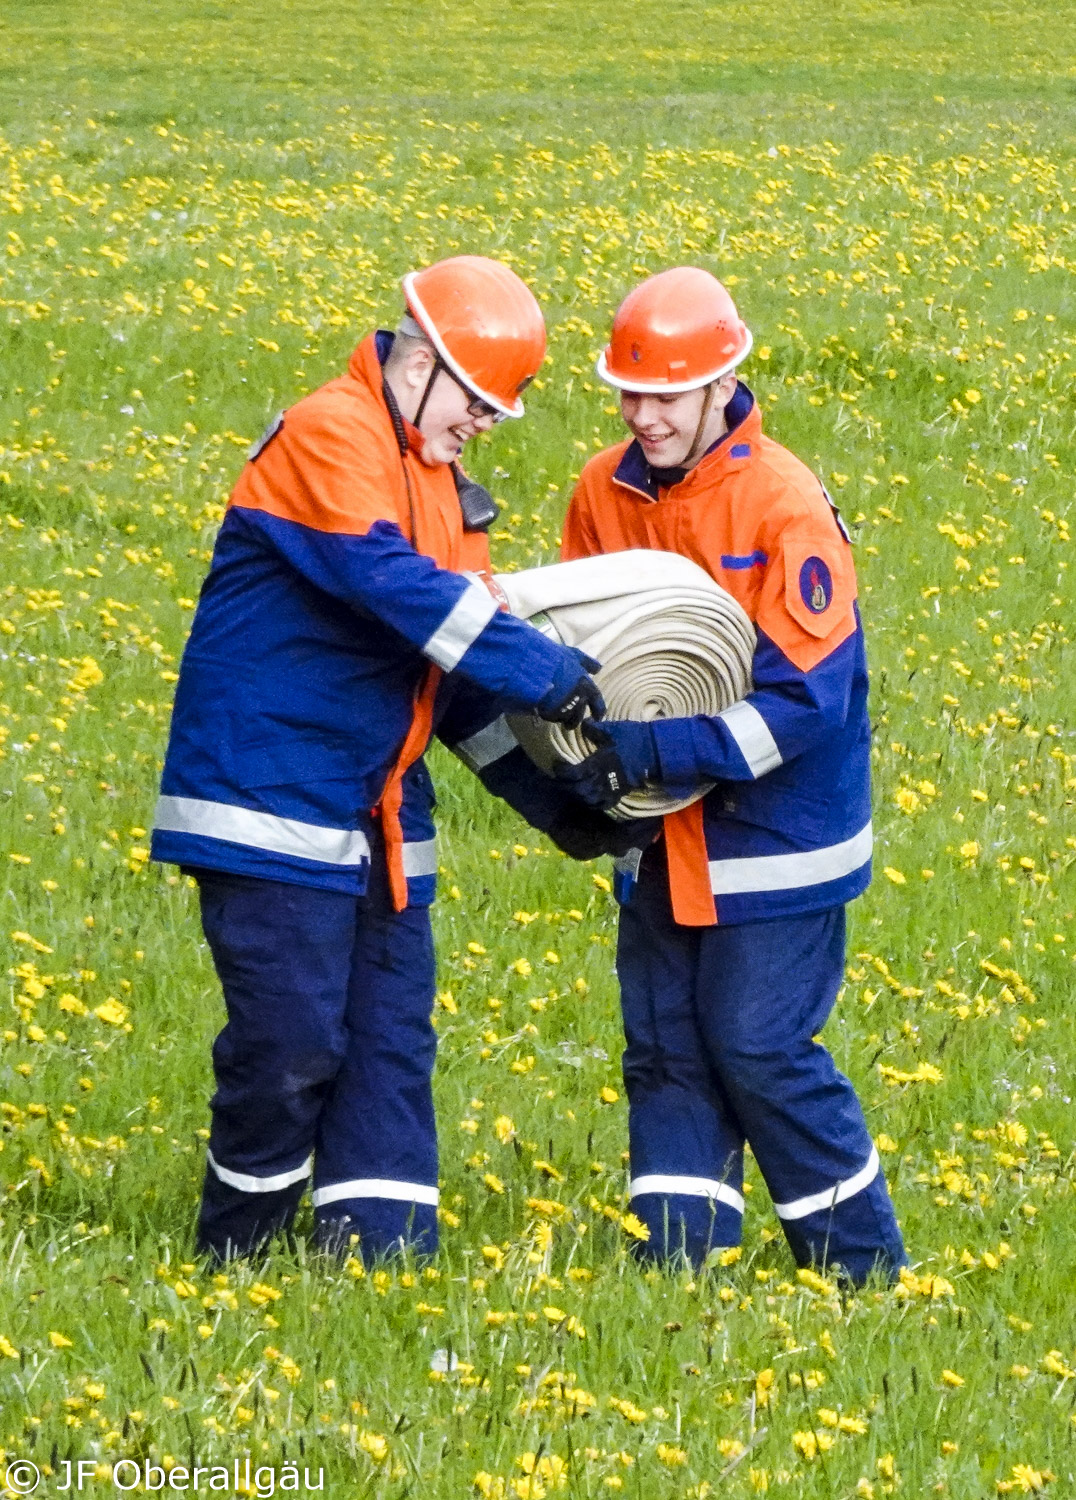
x=476 y=407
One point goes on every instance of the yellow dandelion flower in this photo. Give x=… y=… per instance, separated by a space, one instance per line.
x=375 y=1445
x=634 y=1227
x=112 y=1012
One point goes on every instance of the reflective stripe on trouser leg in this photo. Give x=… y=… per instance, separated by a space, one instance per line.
x=686 y=1149
x=765 y=990
x=375 y=1169
x=248 y=1182
x=283 y=955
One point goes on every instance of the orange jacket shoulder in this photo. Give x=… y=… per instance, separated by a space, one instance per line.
x=333 y=466
x=809 y=591
x=784 y=492
x=587 y=523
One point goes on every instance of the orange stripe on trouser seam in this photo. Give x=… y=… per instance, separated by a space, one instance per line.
x=689 y=868
x=418 y=737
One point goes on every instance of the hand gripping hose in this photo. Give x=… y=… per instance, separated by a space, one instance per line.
x=672 y=643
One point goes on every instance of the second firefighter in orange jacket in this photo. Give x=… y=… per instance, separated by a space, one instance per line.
x=731 y=943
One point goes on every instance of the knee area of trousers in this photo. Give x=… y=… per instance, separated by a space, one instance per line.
x=651 y=1068
x=307 y=1068
x=764 y=1073
x=281 y=1068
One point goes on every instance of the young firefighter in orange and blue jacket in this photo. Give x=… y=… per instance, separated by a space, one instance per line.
x=732 y=933
x=334 y=632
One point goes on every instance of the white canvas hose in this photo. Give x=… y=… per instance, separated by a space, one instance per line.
x=671 y=641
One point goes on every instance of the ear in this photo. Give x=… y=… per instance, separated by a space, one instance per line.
x=416 y=370
x=727 y=388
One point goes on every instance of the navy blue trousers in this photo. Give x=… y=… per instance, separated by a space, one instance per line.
x=325 y=1062
x=719 y=1024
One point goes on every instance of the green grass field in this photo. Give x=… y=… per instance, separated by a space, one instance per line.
x=202 y=207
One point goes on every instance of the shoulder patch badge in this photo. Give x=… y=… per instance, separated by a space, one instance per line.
x=820 y=583
x=816 y=585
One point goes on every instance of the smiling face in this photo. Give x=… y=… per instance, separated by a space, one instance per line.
x=446 y=423
x=666 y=426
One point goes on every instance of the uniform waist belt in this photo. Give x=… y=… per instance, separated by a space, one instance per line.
x=672 y=643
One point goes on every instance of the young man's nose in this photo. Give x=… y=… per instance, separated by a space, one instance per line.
x=648 y=412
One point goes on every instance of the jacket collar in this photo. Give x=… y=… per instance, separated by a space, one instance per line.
x=732 y=449
x=366 y=366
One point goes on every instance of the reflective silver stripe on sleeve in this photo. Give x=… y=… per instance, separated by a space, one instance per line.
x=799 y=1208
x=420 y=858
x=752 y=735
x=260 y=830
x=787 y=872
x=377 y=1187
x=461 y=627
x=248 y=1184
x=689 y=1187
x=492 y=743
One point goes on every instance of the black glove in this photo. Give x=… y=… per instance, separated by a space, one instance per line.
x=626 y=756
x=585 y=833
x=573 y=693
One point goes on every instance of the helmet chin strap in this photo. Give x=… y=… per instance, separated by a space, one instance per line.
x=435 y=370
x=696 y=443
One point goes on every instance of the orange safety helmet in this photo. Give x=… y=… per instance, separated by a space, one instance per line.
x=675 y=332
x=484 y=323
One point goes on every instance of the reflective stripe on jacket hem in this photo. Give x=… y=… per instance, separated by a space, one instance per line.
x=261 y=830
x=688 y=1187
x=420 y=858
x=377 y=1187
x=814 y=1203
x=789 y=872
x=250 y=1184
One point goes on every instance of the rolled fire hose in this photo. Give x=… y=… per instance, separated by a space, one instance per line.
x=671 y=641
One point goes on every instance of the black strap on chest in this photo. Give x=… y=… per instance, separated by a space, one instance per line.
x=400 y=432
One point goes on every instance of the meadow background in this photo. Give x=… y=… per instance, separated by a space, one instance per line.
x=202 y=207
